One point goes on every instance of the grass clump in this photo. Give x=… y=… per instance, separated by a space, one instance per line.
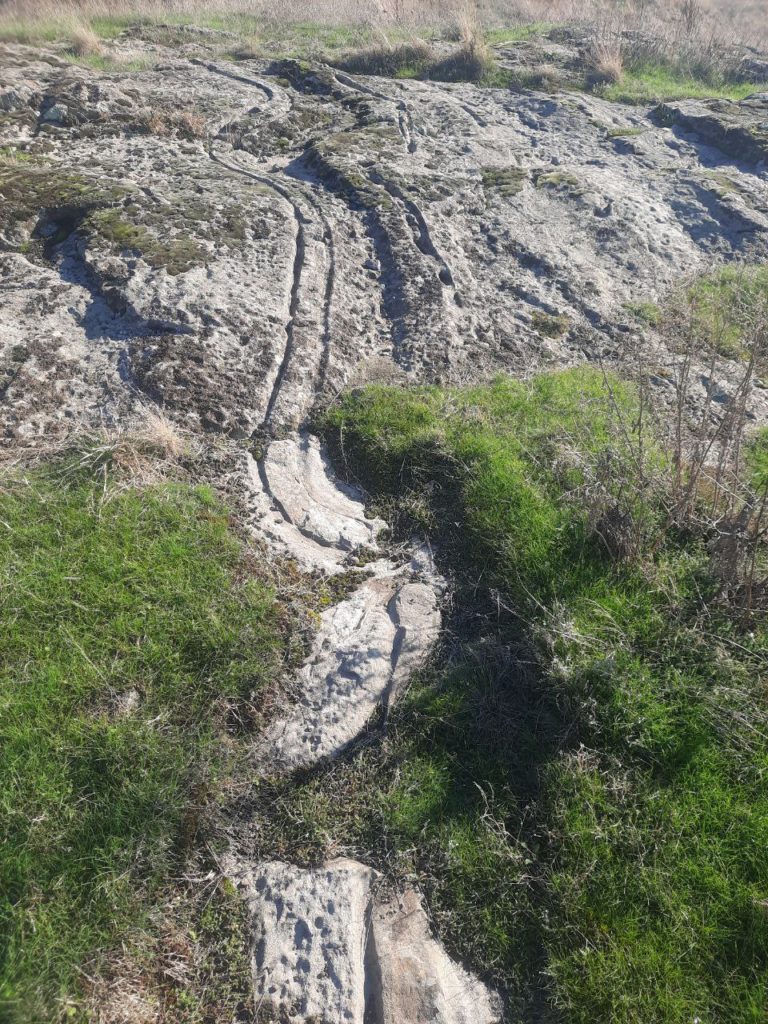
x=582 y=785
x=504 y=181
x=658 y=83
x=85 y=43
x=550 y=325
x=724 y=305
x=406 y=59
x=647 y=312
x=134 y=627
x=470 y=61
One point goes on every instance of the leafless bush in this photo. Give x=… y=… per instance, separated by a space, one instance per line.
x=703 y=482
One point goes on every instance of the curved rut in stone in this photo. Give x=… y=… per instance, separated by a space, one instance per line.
x=328 y=944
x=313 y=344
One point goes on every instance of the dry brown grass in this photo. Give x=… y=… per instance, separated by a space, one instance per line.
x=162 y=435
x=85 y=43
x=248 y=49
x=695 y=33
x=186 y=123
x=472 y=60
x=607 y=63
x=387 y=59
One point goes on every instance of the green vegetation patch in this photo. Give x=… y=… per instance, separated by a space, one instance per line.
x=647 y=312
x=550 y=325
x=124 y=231
x=561 y=181
x=43 y=206
x=504 y=181
x=657 y=83
x=109 y=62
x=582 y=787
x=726 y=305
x=28 y=191
x=134 y=628
x=625 y=133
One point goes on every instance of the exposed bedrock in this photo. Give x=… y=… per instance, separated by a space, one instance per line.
x=237 y=242
x=330 y=947
x=368 y=644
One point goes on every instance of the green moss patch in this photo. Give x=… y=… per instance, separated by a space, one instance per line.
x=43 y=206
x=657 y=83
x=504 y=181
x=550 y=325
x=647 y=312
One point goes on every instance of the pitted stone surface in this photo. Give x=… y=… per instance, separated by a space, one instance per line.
x=327 y=949
x=364 y=652
x=309 y=933
x=255 y=236
x=304 y=510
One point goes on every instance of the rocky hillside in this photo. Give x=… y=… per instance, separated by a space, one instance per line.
x=237 y=240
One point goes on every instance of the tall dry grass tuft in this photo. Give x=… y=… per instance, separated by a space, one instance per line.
x=606 y=62
x=85 y=43
x=472 y=60
x=162 y=435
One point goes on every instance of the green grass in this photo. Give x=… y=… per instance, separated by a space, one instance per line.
x=723 y=303
x=657 y=84
x=582 y=787
x=105 y=62
x=110 y=594
x=647 y=312
x=517 y=34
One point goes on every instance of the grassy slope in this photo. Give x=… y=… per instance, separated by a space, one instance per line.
x=649 y=84
x=585 y=786
x=106 y=590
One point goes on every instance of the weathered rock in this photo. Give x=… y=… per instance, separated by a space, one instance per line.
x=412 y=977
x=370 y=643
x=739 y=129
x=328 y=950
x=336 y=223
x=304 y=510
x=367 y=647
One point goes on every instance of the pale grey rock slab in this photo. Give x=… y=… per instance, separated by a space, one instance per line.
x=369 y=644
x=328 y=948
x=414 y=979
x=309 y=930
x=302 y=508
x=364 y=652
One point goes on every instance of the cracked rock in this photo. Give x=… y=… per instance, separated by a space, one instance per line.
x=329 y=948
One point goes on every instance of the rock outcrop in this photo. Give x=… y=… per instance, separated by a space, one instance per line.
x=331 y=948
x=369 y=643
x=237 y=241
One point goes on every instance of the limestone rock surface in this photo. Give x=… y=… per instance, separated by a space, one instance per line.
x=328 y=947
